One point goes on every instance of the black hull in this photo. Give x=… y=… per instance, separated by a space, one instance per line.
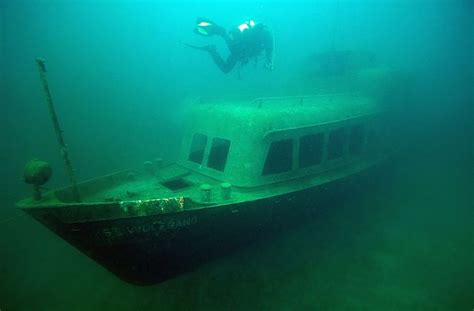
x=150 y=249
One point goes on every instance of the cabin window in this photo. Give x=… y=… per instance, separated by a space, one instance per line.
x=336 y=141
x=279 y=158
x=198 y=145
x=356 y=139
x=218 y=155
x=311 y=149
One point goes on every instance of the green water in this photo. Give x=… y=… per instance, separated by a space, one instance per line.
x=121 y=79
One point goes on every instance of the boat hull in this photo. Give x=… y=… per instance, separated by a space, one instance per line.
x=149 y=249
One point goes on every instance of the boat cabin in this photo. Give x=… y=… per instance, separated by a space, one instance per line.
x=270 y=140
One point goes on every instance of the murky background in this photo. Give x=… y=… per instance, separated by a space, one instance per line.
x=122 y=80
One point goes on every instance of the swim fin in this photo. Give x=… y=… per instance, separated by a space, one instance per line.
x=206 y=27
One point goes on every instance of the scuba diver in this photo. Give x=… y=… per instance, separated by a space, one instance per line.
x=245 y=42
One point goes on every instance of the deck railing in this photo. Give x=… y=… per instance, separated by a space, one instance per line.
x=260 y=101
x=301 y=99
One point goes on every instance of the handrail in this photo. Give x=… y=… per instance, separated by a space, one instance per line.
x=259 y=101
x=301 y=98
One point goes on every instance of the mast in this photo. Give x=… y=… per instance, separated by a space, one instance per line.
x=57 y=129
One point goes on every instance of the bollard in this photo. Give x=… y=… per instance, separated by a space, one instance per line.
x=205 y=193
x=225 y=190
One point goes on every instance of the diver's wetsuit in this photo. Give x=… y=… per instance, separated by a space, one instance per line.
x=243 y=46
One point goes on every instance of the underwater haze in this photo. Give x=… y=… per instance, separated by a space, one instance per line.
x=122 y=80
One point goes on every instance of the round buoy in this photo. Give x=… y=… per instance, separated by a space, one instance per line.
x=37 y=172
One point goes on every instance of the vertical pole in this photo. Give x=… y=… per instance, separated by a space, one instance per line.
x=57 y=129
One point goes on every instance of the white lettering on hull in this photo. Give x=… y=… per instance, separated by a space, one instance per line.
x=112 y=233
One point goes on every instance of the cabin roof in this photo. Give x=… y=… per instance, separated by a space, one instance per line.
x=265 y=114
